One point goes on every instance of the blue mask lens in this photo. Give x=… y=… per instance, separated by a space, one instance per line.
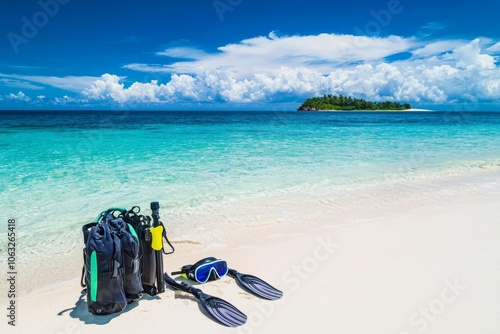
x=203 y=272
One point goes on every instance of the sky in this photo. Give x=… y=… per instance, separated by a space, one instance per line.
x=247 y=54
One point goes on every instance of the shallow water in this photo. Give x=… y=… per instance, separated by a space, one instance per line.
x=60 y=168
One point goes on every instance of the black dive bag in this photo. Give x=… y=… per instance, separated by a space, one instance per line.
x=111 y=272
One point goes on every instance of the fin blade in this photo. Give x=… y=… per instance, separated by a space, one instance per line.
x=256 y=286
x=223 y=312
x=218 y=309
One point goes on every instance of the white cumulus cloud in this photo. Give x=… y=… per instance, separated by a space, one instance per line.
x=20 y=96
x=65 y=100
x=266 y=69
x=470 y=56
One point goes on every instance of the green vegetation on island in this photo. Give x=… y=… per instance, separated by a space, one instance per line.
x=333 y=102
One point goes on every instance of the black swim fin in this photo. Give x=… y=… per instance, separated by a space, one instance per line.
x=219 y=309
x=255 y=285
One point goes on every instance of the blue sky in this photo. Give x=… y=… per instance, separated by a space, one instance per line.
x=247 y=54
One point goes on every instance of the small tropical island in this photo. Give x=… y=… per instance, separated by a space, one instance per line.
x=330 y=102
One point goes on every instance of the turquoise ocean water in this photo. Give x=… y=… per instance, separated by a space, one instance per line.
x=60 y=168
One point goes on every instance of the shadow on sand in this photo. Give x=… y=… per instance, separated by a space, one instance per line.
x=80 y=311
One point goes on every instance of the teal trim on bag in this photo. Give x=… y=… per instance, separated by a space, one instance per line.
x=94 y=275
x=115 y=208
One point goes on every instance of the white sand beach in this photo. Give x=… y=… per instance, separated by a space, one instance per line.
x=422 y=260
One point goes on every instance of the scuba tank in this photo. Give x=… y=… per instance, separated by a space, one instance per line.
x=157 y=244
x=148 y=260
x=151 y=233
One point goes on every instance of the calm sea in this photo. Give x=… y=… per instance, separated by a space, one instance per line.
x=60 y=168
